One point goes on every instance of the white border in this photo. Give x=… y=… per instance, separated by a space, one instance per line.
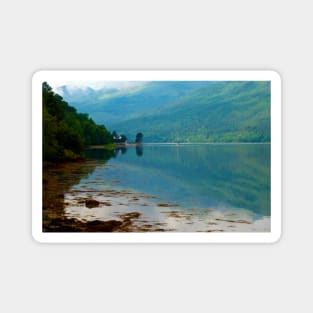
x=146 y=75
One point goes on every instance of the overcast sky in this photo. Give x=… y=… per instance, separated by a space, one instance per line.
x=96 y=84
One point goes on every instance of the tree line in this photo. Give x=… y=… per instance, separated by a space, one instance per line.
x=65 y=131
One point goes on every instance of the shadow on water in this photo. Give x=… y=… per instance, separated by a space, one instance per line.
x=58 y=178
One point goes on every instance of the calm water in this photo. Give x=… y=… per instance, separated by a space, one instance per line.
x=195 y=179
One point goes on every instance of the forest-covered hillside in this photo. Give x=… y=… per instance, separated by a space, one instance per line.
x=184 y=111
x=111 y=105
x=219 y=112
x=66 y=132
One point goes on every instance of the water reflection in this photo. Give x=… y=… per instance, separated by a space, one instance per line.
x=99 y=154
x=139 y=150
x=58 y=179
x=122 y=150
x=201 y=175
x=194 y=183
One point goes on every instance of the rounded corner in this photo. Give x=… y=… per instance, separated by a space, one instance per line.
x=36 y=237
x=38 y=74
x=276 y=238
x=276 y=75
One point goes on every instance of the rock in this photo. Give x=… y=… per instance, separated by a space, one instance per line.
x=167 y=205
x=130 y=215
x=102 y=226
x=233 y=221
x=91 y=203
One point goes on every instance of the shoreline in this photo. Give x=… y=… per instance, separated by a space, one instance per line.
x=114 y=145
x=138 y=212
x=133 y=144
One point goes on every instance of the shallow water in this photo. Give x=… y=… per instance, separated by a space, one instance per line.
x=207 y=187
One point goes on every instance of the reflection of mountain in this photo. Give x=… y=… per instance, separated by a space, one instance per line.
x=202 y=175
x=182 y=111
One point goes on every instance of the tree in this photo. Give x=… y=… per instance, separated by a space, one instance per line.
x=139 y=138
x=46 y=87
x=123 y=138
x=66 y=132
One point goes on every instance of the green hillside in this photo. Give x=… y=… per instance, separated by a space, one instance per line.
x=66 y=132
x=219 y=112
x=184 y=111
x=111 y=106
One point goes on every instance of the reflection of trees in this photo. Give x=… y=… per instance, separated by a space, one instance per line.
x=99 y=154
x=119 y=150
x=57 y=180
x=139 y=150
x=123 y=150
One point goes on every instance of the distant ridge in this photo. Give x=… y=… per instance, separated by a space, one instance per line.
x=237 y=111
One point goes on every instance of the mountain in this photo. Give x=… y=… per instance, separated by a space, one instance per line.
x=184 y=111
x=110 y=106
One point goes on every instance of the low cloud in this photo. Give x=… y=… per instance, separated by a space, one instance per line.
x=96 y=84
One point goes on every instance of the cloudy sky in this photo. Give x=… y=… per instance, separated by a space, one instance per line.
x=95 y=84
